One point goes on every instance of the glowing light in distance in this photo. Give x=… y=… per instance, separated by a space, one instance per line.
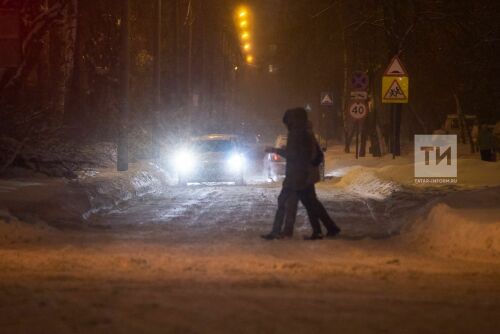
x=247 y=47
x=243 y=13
x=245 y=36
x=244 y=24
x=249 y=59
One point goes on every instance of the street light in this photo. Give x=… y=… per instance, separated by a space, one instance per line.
x=247 y=47
x=243 y=13
x=250 y=59
x=244 y=24
x=245 y=36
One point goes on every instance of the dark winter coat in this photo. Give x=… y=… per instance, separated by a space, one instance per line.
x=485 y=139
x=301 y=151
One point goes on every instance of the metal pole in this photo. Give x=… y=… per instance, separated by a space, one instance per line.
x=122 y=151
x=397 y=118
x=357 y=139
x=393 y=117
x=190 y=66
x=157 y=84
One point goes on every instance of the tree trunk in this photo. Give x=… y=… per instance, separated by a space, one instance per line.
x=122 y=158
x=62 y=53
x=347 y=136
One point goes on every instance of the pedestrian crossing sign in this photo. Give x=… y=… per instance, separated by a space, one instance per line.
x=395 y=89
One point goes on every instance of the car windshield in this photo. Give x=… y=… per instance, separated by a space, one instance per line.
x=213 y=145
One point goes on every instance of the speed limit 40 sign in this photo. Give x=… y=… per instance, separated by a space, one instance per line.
x=358 y=110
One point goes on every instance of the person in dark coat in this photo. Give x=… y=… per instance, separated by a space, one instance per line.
x=486 y=143
x=302 y=173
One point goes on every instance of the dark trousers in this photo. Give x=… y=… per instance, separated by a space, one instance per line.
x=316 y=211
x=287 y=211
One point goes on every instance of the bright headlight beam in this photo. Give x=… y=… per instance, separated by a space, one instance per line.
x=236 y=162
x=184 y=161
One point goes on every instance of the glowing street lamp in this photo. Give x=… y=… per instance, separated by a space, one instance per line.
x=249 y=59
x=247 y=47
x=243 y=13
x=244 y=24
x=245 y=36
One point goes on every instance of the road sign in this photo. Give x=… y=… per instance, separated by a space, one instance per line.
x=396 y=68
x=358 y=110
x=359 y=95
x=360 y=81
x=395 y=89
x=326 y=99
x=10 y=43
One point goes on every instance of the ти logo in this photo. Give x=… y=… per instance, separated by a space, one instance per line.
x=439 y=157
x=435 y=158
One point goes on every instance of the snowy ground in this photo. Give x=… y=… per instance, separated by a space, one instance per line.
x=190 y=260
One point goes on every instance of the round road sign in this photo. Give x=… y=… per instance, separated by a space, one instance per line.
x=360 y=81
x=358 y=110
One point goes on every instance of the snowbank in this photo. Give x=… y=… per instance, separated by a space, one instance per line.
x=462 y=225
x=108 y=188
x=59 y=201
x=14 y=231
x=364 y=181
x=472 y=172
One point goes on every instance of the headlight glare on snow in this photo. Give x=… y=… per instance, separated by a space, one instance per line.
x=236 y=162
x=184 y=162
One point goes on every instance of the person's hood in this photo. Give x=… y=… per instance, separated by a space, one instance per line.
x=296 y=119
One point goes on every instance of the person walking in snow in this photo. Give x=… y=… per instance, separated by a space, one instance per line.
x=302 y=173
x=486 y=143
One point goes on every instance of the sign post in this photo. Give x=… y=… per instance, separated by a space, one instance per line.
x=395 y=91
x=358 y=107
x=326 y=100
x=358 y=111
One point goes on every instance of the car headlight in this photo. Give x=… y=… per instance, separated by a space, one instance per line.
x=184 y=161
x=236 y=162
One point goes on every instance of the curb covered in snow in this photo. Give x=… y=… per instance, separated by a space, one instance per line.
x=58 y=201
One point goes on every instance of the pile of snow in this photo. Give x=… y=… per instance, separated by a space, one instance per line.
x=472 y=172
x=462 y=225
x=58 y=201
x=364 y=181
x=14 y=231
x=106 y=189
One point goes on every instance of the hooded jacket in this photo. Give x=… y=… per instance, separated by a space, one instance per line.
x=300 y=152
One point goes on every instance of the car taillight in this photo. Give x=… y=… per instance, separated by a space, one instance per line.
x=275 y=157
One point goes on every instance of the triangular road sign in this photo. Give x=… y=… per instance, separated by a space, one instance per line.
x=326 y=100
x=396 y=68
x=395 y=92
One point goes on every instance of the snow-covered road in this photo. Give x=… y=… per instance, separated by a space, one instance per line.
x=190 y=260
x=225 y=213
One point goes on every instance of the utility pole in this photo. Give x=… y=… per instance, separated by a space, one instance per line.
x=190 y=102
x=122 y=154
x=157 y=84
